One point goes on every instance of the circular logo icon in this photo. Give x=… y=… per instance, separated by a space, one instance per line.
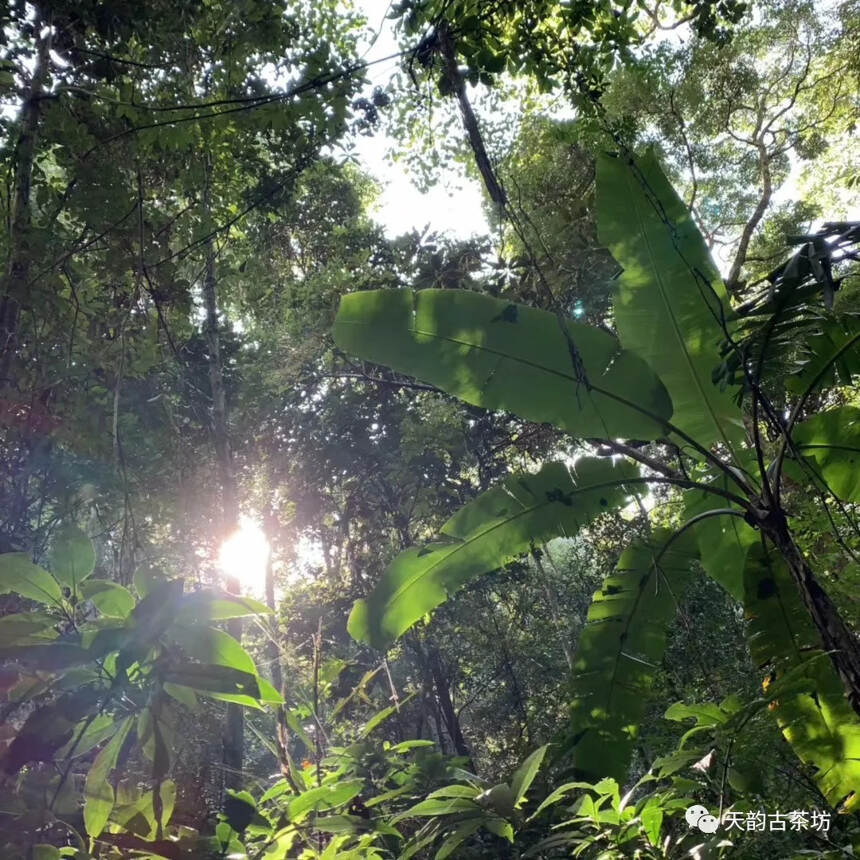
x=698 y=816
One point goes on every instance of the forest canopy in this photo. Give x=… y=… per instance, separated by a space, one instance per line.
x=332 y=529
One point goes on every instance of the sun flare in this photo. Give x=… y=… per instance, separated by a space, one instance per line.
x=244 y=556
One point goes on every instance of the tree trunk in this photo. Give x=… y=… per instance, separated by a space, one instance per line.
x=470 y=122
x=446 y=705
x=837 y=638
x=732 y=284
x=273 y=655
x=233 y=740
x=15 y=281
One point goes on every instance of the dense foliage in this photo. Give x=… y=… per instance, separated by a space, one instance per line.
x=320 y=540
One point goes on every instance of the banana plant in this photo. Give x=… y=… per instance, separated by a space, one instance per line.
x=686 y=373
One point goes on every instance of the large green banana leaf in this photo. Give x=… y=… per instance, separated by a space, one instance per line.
x=492 y=529
x=830 y=442
x=670 y=299
x=500 y=355
x=619 y=652
x=819 y=723
x=723 y=540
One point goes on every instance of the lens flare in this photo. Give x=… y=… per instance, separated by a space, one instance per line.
x=244 y=556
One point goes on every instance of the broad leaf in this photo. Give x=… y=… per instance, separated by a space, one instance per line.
x=110 y=598
x=239 y=809
x=72 y=557
x=819 y=724
x=499 y=355
x=323 y=798
x=19 y=575
x=209 y=645
x=151 y=618
x=488 y=532
x=670 y=300
x=831 y=441
x=139 y=816
x=723 y=540
x=99 y=791
x=619 y=652
x=87 y=734
x=224 y=683
x=49 y=728
x=461 y=833
x=525 y=774
x=27 y=628
x=201 y=607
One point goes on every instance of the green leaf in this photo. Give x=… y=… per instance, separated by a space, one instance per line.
x=820 y=725
x=505 y=356
x=209 y=645
x=43 y=851
x=491 y=530
x=557 y=794
x=54 y=656
x=405 y=746
x=145 y=579
x=456 y=790
x=268 y=693
x=94 y=732
x=19 y=575
x=201 y=607
x=652 y=821
x=99 y=791
x=501 y=828
x=184 y=695
x=73 y=557
x=432 y=807
x=275 y=791
x=723 y=540
x=153 y=732
x=666 y=765
x=831 y=441
x=619 y=652
x=670 y=299
x=707 y=714
x=239 y=809
x=461 y=833
x=381 y=716
x=28 y=628
x=139 y=816
x=110 y=598
x=214 y=679
x=323 y=798
x=499 y=799
x=151 y=618
x=525 y=774
x=48 y=728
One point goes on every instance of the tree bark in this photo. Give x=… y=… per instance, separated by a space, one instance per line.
x=15 y=281
x=446 y=705
x=749 y=228
x=470 y=122
x=233 y=740
x=838 y=639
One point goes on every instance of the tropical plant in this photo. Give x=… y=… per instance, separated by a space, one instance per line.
x=100 y=664
x=658 y=386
